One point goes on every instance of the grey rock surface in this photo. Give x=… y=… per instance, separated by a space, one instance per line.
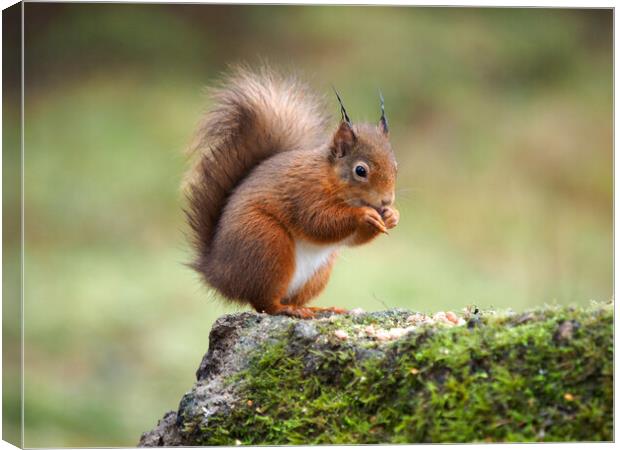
x=233 y=340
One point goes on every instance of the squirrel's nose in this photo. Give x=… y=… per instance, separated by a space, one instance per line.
x=387 y=201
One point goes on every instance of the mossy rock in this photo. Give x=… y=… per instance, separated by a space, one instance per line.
x=542 y=375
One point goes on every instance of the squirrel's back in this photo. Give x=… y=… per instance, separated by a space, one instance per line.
x=254 y=115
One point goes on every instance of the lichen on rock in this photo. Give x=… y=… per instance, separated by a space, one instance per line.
x=401 y=377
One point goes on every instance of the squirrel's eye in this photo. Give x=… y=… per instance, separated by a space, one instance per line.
x=360 y=171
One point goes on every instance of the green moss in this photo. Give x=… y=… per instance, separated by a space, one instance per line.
x=502 y=378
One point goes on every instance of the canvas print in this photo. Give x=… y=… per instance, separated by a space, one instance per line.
x=306 y=224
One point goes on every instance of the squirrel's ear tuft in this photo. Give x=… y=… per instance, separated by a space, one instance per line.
x=383 y=123
x=344 y=138
x=343 y=141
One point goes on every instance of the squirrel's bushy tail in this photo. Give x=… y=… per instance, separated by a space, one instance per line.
x=254 y=116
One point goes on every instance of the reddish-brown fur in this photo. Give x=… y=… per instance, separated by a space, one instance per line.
x=268 y=175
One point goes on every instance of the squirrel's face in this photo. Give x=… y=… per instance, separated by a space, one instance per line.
x=364 y=162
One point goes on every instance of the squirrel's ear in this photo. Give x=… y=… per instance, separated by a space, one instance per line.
x=343 y=141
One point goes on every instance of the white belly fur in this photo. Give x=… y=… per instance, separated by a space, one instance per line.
x=308 y=259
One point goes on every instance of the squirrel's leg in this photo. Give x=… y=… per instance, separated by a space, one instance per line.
x=271 y=274
x=370 y=227
x=356 y=225
x=253 y=265
x=329 y=224
x=313 y=287
x=363 y=235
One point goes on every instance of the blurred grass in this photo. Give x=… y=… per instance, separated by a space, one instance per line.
x=502 y=124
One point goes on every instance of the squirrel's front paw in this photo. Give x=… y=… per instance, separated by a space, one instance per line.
x=373 y=218
x=390 y=217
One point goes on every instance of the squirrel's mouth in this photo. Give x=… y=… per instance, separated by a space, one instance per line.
x=365 y=203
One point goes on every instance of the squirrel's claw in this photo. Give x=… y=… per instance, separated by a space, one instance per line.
x=299 y=312
x=331 y=309
x=390 y=217
x=373 y=218
x=306 y=312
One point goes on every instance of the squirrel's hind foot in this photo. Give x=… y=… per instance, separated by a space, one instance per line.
x=300 y=312
x=306 y=312
x=328 y=309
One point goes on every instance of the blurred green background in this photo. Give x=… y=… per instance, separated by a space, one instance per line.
x=501 y=121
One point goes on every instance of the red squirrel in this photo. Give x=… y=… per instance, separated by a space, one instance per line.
x=272 y=194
